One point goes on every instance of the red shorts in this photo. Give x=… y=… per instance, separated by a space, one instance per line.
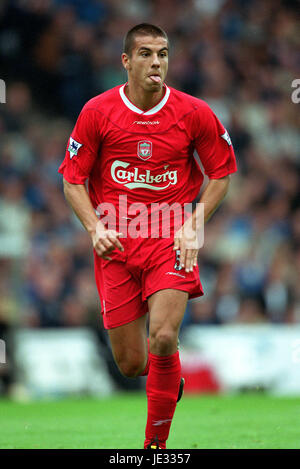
x=145 y=266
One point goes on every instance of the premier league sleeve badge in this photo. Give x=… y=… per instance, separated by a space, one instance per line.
x=73 y=147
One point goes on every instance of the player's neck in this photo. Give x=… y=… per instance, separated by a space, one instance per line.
x=142 y=99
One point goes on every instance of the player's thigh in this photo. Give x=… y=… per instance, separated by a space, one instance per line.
x=166 y=311
x=129 y=345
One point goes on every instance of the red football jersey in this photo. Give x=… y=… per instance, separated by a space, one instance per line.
x=147 y=156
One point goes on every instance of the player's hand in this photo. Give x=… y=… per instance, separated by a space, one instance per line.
x=185 y=240
x=105 y=241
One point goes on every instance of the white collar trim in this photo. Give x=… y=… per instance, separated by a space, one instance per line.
x=151 y=111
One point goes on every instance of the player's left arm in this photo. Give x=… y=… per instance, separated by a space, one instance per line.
x=214 y=147
x=212 y=197
x=186 y=239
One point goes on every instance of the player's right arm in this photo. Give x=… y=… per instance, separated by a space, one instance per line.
x=81 y=154
x=104 y=240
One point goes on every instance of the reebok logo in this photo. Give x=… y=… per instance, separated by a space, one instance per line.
x=157 y=423
x=175 y=273
x=146 y=122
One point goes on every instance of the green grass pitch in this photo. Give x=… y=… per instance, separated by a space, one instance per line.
x=244 y=421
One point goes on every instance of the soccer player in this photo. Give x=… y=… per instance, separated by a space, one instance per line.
x=138 y=140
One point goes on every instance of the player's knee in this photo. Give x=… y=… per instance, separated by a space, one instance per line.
x=163 y=341
x=131 y=368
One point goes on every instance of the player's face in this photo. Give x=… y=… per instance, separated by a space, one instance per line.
x=147 y=65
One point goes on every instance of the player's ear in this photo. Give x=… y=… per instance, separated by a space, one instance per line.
x=126 y=61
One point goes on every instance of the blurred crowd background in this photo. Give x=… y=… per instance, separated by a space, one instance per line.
x=241 y=56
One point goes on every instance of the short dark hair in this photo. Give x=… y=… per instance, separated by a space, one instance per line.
x=143 y=29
